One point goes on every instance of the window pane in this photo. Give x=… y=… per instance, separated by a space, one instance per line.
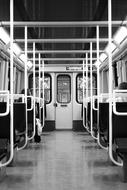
x=63 y=89
x=47 y=87
x=79 y=87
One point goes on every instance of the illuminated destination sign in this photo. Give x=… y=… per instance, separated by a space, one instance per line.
x=74 y=68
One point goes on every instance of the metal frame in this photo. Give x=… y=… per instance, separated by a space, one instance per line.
x=25 y=84
x=34 y=101
x=62 y=51
x=11 y=88
x=5 y=94
x=62 y=59
x=110 y=83
x=62 y=40
x=63 y=24
x=43 y=76
x=114 y=101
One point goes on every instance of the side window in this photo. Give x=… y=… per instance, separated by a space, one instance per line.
x=79 y=87
x=47 y=86
x=115 y=77
x=3 y=74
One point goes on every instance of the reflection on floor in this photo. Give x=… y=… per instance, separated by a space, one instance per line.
x=64 y=160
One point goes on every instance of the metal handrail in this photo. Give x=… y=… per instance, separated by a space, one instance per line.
x=11 y=87
x=115 y=99
x=32 y=105
x=103 y=95
x=95 y=97
x=5 y=94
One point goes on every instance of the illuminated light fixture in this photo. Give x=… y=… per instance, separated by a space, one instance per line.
x=29 y=64
x=97 y=63
x=22 y=57
x=16 y=49
x=113 y=47
x=102 y=57
x=4 y=36
x=120 y=35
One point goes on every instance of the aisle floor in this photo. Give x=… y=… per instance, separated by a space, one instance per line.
x=64 y=160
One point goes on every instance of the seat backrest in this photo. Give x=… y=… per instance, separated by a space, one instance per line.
x=88 y=111
x=103 y=117
x=94 y=113
x=4 y=122
x=20 y=117
x=120 y=122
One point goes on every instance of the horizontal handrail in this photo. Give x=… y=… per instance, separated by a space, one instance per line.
x=103 y=95
x=95 y=97
x=17 y=96
x=32 y=104
x=119 y=99
x=5 y=94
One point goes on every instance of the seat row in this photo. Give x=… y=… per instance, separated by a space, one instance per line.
x=109 y=129
x=23 y=116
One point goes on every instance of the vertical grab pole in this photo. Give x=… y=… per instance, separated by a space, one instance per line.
x=98 y=87
x=83 y=95
x=34 y=110
x=87 y=89
x=39 y=87
x=34 y=88
x=91 y=86
x=110 y=81
x=98 y=78
x=91 y=91
x=25 y=84
x=11 y=79
x=43 y=76
x=11 y=87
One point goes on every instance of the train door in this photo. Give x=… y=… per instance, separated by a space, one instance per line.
x=63 y=103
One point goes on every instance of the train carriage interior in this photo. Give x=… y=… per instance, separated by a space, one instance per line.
x=63 y=94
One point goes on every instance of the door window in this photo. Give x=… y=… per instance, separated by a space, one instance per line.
x=63 y=88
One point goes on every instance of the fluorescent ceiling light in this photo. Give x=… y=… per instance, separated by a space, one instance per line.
x=97 y=63
x=113 y=47
x=120 y=35
x=4 y=36
x=23 y=57
x=16 y=49
x=102 y=57
x=29 y=64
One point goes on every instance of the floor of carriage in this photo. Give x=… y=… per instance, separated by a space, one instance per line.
x=64 y=160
